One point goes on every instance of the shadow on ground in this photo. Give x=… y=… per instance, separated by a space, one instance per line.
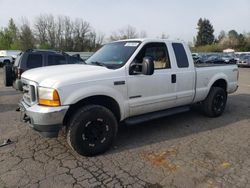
x=8 y=93
x=180 y=125
x=8 y=107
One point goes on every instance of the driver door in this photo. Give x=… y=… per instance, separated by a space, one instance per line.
x=148 y=93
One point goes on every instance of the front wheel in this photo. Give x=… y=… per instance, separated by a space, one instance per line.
x=92 y=130
x=215 y=103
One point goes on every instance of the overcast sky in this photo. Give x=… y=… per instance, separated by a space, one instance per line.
x=176 y=18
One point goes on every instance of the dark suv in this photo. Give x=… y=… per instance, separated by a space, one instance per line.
x=34 y=58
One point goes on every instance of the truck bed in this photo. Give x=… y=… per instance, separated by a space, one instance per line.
x=207 y=74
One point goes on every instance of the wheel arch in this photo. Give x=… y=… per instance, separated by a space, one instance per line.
x=222 y=83
x=218 y=80
x=102 y=100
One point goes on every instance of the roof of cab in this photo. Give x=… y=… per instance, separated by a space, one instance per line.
x=149 y=40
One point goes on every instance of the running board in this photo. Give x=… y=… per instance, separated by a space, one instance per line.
x=156 y=115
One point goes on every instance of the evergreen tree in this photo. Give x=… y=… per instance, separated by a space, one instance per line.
x=9 y=37
x=205 y=33
x=27 y=39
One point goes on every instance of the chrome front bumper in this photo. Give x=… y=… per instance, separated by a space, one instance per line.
x=46 y=120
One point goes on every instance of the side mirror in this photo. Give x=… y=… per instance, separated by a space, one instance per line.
x=148 y=66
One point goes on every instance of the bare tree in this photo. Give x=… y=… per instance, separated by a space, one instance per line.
x=164 y=36
x=95 y=41
x=51 y=31
x=80 y=34
x=59 y=32
x=41 y=26
x=127 y=32
x=68 y=34
x=100 y=39
x=63 y=33
x=143 y=34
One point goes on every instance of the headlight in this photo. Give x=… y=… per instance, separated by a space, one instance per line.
x=48 y=97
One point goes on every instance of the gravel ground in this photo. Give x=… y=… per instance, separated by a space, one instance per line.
x=185 y=150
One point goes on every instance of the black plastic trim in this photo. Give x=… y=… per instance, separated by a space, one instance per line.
x=119 y=82
x=155 y=115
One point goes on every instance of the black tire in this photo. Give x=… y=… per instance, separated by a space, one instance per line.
x=92 y=130
x=215 y=103
x=7 y=76
x=6 y=62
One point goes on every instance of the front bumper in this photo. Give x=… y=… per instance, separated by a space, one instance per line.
x=17 y=84
x=45 y=120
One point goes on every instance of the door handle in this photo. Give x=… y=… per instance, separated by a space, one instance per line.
x=173 y=78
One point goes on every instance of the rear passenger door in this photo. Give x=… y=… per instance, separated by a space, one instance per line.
x=185 y=74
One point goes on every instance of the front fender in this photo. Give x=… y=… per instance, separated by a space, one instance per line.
x=73 y=95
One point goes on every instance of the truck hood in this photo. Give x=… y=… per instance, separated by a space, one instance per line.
x=48 y=76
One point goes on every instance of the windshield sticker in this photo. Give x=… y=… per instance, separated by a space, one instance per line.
x=132 y=44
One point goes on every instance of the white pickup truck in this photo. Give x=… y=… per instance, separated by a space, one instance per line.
x=125 y=81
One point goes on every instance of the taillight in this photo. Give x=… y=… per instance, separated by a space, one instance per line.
x=19 y=73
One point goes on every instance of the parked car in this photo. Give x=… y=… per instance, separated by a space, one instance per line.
x=129 y=81
x=198 y=58
x=7 y=57
x=34 y=58
x=201 y=58
x=214 y=59
x=244 y=61
x=5 y=60
x=228 y=58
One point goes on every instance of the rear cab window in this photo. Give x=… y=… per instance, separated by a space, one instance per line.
x=180 y=55
x=34 y=61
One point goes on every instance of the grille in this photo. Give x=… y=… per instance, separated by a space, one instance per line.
x=29 y=93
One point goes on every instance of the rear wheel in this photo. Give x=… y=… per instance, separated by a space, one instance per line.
x=215 y=103
x=7 y=76
x=92 y=130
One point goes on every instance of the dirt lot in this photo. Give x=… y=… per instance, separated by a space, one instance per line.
x=185 y=150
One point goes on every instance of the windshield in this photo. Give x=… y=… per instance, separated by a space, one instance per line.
x=114 y=55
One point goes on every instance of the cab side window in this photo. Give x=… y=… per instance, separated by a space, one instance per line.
x=180 y=55
x=34 y=61
x=157 y=51
x=56 y=60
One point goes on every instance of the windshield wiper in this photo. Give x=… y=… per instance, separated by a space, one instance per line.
x=98 y=63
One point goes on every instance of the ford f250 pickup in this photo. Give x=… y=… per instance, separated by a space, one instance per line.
x=127 y=81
